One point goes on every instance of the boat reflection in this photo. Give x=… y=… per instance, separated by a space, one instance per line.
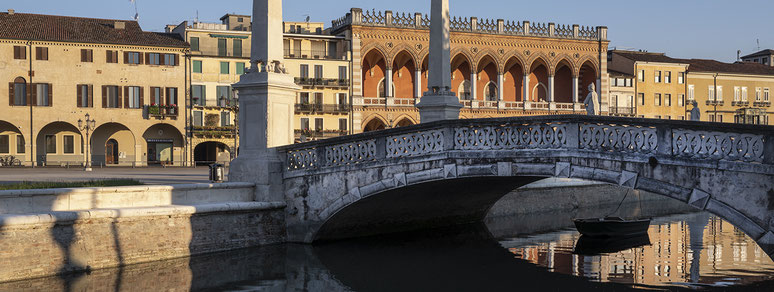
x=588 y=245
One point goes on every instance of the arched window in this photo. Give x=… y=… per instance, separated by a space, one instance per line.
x=19 y=92
x=463 y=92
x=381 y=88
x=490 y=91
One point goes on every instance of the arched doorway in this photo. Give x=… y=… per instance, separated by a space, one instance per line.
x=460 y=83
x=538 y=81
x=374 y=68
x=405 y=122
x=213 y=151
x=513 y=80
x=487 y=74
x=563 y=83
x=164 y=145
x=111 y=152
x=403 y=75
x=12 y=142
x=375 y=124
x=59 y=143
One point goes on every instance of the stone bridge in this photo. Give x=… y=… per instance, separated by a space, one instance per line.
x=449 y=172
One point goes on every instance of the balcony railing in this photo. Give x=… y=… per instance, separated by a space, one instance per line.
x=322 y=82
x=319 y=134
x=715 y=102
x=619 y=110
x=214 y=132
x=312 y=54
x=161 y=111
x=323 y=108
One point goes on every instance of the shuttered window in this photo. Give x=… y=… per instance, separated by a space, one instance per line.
x=17 y=92
x=237 y=48
x=111 y=96
x=224 y=68
x=222 y=49
x=68 y=144
x=198 y=94
x=198 y=118
x=42 y=94
x=111 y=57
x=87 y=55
x=240 y=68
x=41 y=53
x=133 y=97
x=5 y=144
x=19 y=52
x=195 y=44
x=197 y=66
x=171 y=96
x=85 y=95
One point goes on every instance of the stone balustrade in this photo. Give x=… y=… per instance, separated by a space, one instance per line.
x=388 y=18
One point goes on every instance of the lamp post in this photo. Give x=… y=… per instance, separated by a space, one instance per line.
x=87 y=126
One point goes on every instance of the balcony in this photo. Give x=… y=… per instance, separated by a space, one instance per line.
x=162 y=111
x=622 y=110
x=214 y=132
x=762 y=104
x=715 y=103
x=313 y=55
x=317 y=108
x=322 y=82
x=318 y=134
x=740 y=103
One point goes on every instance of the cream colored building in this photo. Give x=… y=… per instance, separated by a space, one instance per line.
x=765 y=57
x=130 y=82
x=622 y=94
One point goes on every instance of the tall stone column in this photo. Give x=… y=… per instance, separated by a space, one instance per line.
x=551 y=92
x=388 y=83
x=266 y=101
x=473 y=85
x=500 y=90
x=439 y=103
x=525 y=87
x=575 y=104
x=417 y=83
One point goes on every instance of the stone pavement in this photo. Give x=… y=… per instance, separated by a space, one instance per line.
x=150 y=175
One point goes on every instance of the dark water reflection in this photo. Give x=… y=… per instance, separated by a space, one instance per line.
x=466 y=258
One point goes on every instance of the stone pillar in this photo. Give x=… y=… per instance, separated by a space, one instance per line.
x=388 y=83
x=266 y=101
x=525 y=87
x=473 y=85
x=575 y=105
x=138 y=155
x=439 y=103
x=500 y=82
x=551 y=92
x=417 y=83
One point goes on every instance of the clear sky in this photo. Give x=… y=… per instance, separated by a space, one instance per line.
x=713 y=29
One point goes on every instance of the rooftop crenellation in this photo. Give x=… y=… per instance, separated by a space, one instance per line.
x=387 y=18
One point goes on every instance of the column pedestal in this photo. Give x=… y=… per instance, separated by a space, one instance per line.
x=439 y=106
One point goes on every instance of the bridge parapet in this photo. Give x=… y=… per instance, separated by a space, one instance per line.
x=655 y=138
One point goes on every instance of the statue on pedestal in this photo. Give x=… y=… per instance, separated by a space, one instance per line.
x=695 y=112
x=591 y=100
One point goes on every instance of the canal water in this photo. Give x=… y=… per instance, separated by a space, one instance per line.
x=683 y=251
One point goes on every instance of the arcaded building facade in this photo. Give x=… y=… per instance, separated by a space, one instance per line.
x=499 y=68
x=59 y=69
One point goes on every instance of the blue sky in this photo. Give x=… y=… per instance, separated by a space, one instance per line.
x=713 y=29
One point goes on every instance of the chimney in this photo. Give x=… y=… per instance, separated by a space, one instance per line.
x=11 y=11
x=120 y=25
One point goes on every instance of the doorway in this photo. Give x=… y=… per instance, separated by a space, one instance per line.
x=160 y=153
x=111 y=152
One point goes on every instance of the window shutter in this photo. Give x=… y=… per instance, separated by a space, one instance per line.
x=161 y=95
x=11 y=93
x=45 y=54
x=50 y=95
x=33 y=94
x=91 y=96
x=166 y=100
x=126 y=97
x=177 y=60
x=16 y=53
x=108 y=56
x=140 y=56
x=126 y=57
x=79 y=95
x=83 y=55
x=91 y=55
x=104 y=96
x=147 y=58
x=142 y=97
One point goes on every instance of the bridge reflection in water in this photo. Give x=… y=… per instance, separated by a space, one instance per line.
x=464 y=258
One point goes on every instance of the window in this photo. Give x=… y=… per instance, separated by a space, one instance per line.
x=85 y=95
x=744 y=94
x=343 y=73
x=198 y=94
x=343 y=125
x=157 y=97
x=18 y=92
x=42 y=94
x=629 y=82
x=342 y=99
x=737 y=93
x=303 y=98
x=134 y=58
x=41 y=53
x=304 y=71
x=170 y=59
x=68 y=144
x=691 y=90
x=658 y=76
x=153 y=59
x=198 y=120
x=195 y=44
x=237 y=48
x=111 y=57
x=223 y=95
x=681 y=78
x=5 y=144
x=711 y=93
x=240 y=68
x=111 y=97
x=681 y=100
x=720 y=93
x=641 y=98
x=318 y=98
x=222 y=50
x=305 y=124
x=758 y=94
x=657 y=99
x=20 y=147
x=19 y=52
x=765 y=95
x=87 y=55
x=224 y=68
x=318 y=71
x=134 y=97
x=318 y=124
x=668 y=77
x=171 y=96
x=225 y=119
x=641 y=76
x=197 y=66
x=668 y=99
x=50 y=144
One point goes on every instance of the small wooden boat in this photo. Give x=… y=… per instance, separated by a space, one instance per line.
x=587 y=245
x=612 y=227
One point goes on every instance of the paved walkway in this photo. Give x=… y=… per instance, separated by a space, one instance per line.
x=150 y=175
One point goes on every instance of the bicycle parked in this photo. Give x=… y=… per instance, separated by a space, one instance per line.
x=9 y=161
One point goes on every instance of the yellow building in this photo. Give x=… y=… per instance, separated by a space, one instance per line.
x=621 y=93
x=61 y=69
x=666 y=87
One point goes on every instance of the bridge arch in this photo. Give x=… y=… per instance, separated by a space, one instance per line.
x=422 y=176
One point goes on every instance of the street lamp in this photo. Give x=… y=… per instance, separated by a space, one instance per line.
x=88 y=126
